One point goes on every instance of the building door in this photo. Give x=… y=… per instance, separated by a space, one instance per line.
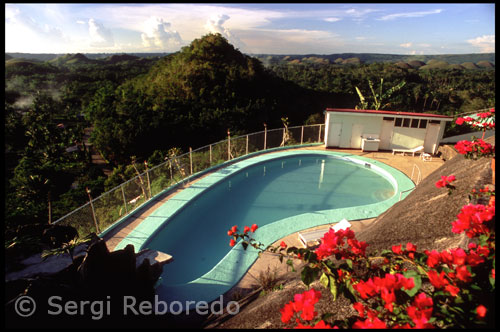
x=334 y=131
x=431 y=137
x=356 y=132
x=386 y=135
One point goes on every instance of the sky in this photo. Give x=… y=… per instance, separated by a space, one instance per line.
x=258 y=28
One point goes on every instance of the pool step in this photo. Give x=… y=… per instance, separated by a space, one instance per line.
x=154 y=256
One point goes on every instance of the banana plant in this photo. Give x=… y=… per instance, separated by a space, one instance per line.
x=378 y=97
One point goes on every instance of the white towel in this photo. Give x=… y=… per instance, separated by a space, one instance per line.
x=343 y=224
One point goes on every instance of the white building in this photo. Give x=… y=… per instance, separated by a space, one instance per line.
x=372 y=130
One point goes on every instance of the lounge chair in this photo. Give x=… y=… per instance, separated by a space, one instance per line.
x=418 y=149
x=426 y=157
x=311 y=238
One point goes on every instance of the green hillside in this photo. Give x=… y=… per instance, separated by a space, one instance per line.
x=71 y=60
x=19 y=66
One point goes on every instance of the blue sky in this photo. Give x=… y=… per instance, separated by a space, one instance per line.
x=425 y=28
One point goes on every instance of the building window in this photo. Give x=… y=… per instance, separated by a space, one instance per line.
x=398 y=122
x=435 y=121
x=414 y=123
x=406 y=122
x=423 y=124
x=388 y=118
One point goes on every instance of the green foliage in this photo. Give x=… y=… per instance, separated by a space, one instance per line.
x=378 y=97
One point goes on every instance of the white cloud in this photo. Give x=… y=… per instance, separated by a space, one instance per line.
x=332 y=19
x=215 y=25
x=23 y=33
x=157 y=34
x=408 y=15
x=486 y=43
x=99 y=35
x=406 y=45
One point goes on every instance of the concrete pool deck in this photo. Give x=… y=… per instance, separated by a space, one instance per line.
x=404 y=164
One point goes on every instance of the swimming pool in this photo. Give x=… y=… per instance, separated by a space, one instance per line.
x=282 y=192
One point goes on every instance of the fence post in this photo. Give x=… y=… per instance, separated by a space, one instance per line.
x=246 y=148
x=265 y=135
x=191 y=160
x=228 y=145
x=170 y=167
x=210 y=154
x=93 y=211
x=319 y=134
x=302 y=135
x=124 y=199
x=147 y=176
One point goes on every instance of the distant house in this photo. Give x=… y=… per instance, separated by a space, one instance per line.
x=373 y=130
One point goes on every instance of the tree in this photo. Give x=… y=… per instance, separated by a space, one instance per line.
x=379 y=97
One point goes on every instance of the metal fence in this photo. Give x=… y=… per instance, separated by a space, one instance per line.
x=103 y=211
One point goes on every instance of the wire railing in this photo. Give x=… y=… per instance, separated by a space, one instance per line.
x=102 y=212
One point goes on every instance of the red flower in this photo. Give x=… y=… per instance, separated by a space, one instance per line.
x=463 y=273
x=246 y=229
x=360 y=308
x=232 y=242
x=234 y=229
x=389 y=298
x=473 y=259
x=254 y=228
x=411 y=247
x=287 y=312
x=481 y=311
x=433 y=258
x=230 y=232
x=397 y=249
x=303 y=303
x=453 y=290
x=438 y=281
x=369 y=324
x=319 y=325
x=471 y=219
x=459 y=256
x=460 y=121
x=283 y=244
x=445 y=180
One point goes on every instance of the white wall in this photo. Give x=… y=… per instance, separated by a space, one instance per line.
x=402 y=137
x=371 y=125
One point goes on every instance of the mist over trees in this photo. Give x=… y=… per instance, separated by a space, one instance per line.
x=138 y=108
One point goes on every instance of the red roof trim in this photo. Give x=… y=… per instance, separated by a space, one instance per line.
x=347 y=110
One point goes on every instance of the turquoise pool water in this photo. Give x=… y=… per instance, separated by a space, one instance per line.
x=262 y=194
x=283 y=192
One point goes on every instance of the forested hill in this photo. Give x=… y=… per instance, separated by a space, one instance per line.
x=294 y=58
x=191 y=98
x=368 y=58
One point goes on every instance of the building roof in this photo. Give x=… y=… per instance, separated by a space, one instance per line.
x=393 y=113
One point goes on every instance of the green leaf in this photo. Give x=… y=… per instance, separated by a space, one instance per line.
x=417 y=280
x=333 y=287
x=290 y=263
x=349 y=263
x=324 y=280
x=308 y=275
